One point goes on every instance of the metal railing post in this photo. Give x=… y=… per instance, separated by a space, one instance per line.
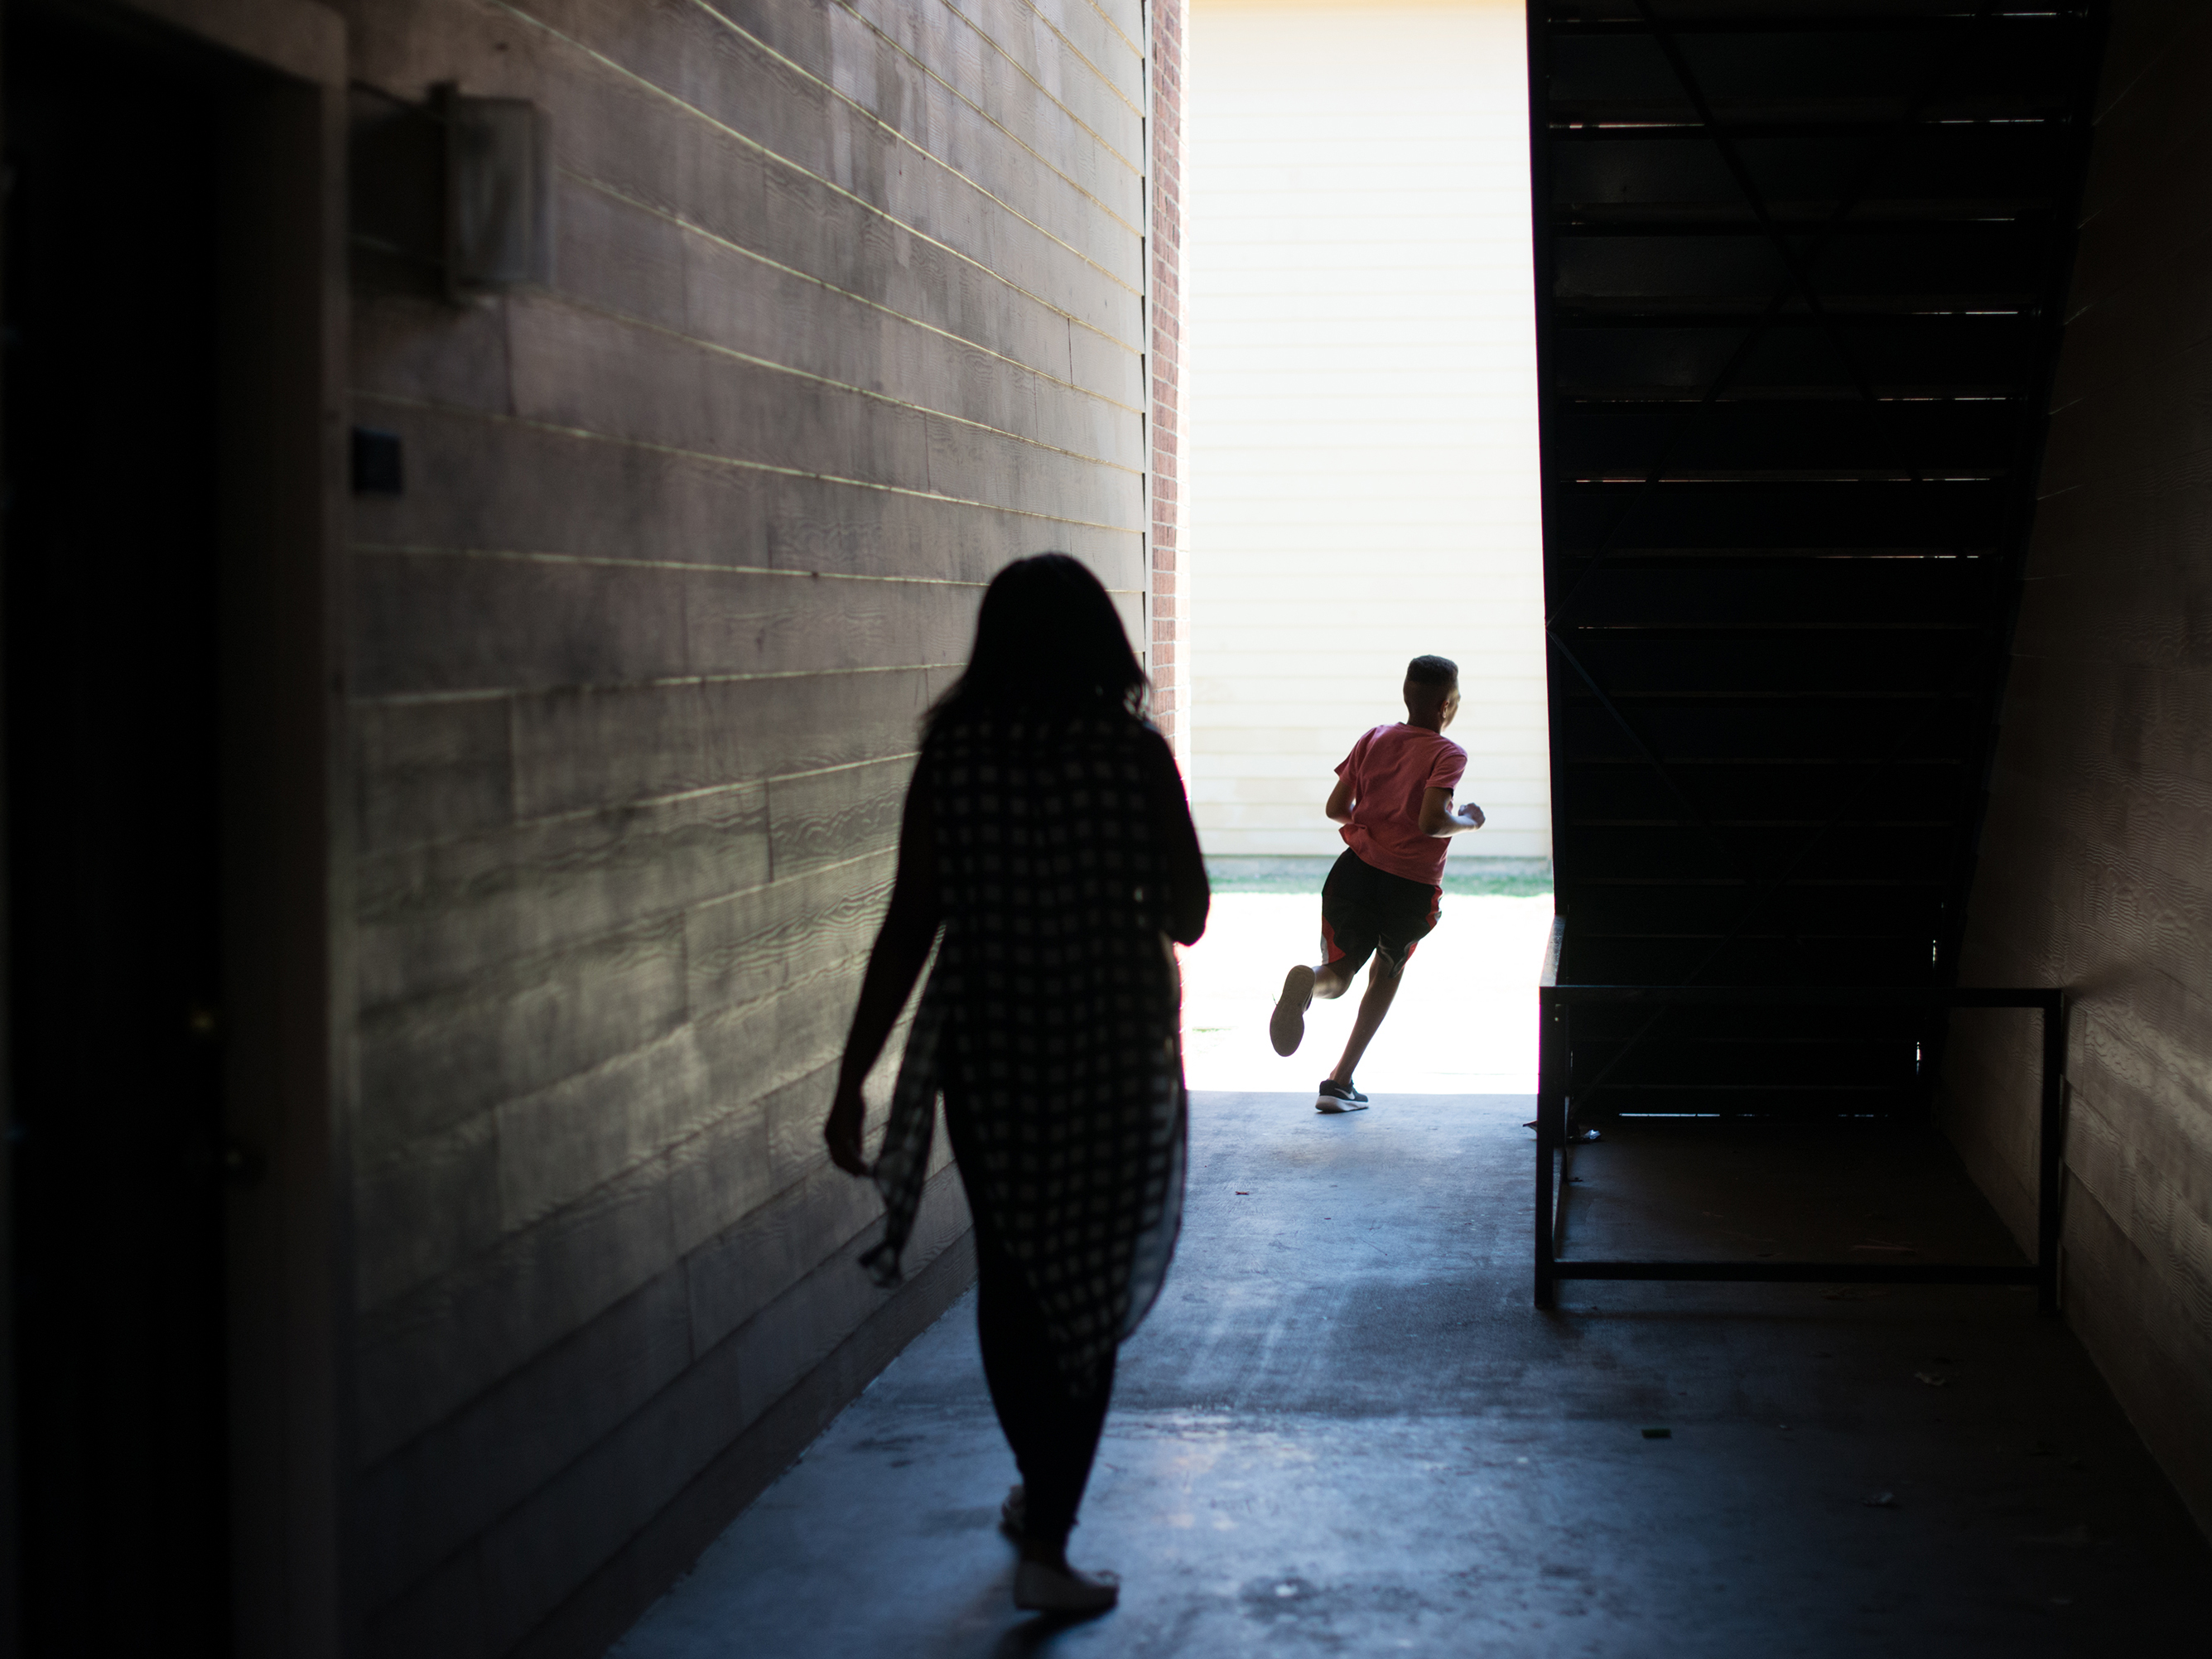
x=2050 y=1152
x=1551 y=1105
x=1550 y=1082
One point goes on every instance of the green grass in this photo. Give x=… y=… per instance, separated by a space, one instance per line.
x=1496 y=886
x=1488 y=878
x=1271 y=883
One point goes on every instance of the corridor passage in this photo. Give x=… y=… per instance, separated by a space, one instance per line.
x=1344 y=1430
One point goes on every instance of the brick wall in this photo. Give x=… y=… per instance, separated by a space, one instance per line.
x=1166 y=252
x=847 y=311
x=2096 y=863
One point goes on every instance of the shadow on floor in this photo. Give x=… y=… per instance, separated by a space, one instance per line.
x=1344 y=1430
x=1748 y=1188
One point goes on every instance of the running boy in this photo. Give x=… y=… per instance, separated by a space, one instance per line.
x=1393 y=797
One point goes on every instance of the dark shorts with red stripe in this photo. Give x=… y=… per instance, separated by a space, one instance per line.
x=1364 y=911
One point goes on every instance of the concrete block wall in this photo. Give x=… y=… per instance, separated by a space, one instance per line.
x=2096 y=862
x=847 y=311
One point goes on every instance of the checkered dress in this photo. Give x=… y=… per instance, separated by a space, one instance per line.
x=1052 y=1013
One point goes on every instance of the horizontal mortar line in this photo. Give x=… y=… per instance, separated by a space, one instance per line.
x=1134 y=169
x=841 y=766
x=631 y=803
x=635 y=921
x=1059 y=34
x=754 y=144
x=610 y=561
x=416 y=699
x=650 y=1402
x=432 y=1299
x=1120 y=33
x=799 y=69
x=700 y=230
x=661 y=921
x=403 y=400
x=400 y=1150
x=1022 y=69
x=634 y=320
x=614 y=562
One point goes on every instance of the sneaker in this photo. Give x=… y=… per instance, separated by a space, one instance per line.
x=1335 y=1096
x=1287 y=1029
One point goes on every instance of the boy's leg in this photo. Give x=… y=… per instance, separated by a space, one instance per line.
x=1287 y=1029
x=1286 y=1026
x=1347 y=935
x=1382 y=982
x=1411 y=918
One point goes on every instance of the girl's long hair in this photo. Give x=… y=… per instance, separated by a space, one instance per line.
x=1048 y=642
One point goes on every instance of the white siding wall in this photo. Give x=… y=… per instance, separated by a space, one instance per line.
x=1361 y=482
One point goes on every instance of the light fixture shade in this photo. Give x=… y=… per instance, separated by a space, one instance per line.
x=499 y=196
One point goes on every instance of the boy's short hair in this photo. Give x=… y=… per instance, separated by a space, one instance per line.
x=1433 y=670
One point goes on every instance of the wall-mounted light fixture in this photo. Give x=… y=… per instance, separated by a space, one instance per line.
x=499 y=194
x=453 y=193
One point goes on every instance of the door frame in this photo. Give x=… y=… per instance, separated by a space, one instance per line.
x=287 y=824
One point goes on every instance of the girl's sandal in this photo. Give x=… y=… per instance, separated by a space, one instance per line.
x=1041 y=1587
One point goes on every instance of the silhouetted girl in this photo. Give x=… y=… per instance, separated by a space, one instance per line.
x=1047 y=834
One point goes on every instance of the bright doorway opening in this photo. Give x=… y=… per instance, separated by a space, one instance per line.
x=1361 y=470
x=1360 y=482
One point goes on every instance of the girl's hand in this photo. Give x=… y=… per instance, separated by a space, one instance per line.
x=841 y=1129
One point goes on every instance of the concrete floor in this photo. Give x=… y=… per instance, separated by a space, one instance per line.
x=1344 y=1430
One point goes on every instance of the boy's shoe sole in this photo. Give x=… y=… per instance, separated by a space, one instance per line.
x=1287 y=1028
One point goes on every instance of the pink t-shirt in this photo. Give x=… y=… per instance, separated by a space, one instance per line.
x=1390 y=769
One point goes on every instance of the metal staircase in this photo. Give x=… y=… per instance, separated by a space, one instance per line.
x=1801 y=270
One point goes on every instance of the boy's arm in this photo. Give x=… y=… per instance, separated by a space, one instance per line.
x=1437 y=818
x=1340 y=801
